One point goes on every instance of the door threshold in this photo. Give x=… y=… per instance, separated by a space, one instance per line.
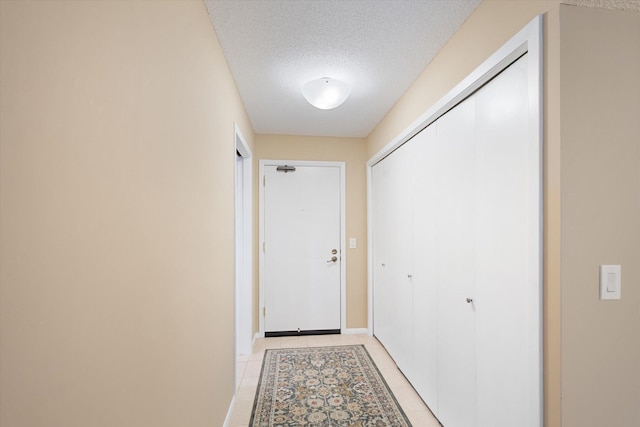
x=300 y=333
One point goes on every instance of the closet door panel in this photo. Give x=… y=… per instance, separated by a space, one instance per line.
x=424 y=378
x=502 y=229
x=455 y=260
x=399 y=257
x=382 y=227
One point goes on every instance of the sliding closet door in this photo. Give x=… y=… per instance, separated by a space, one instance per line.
x=455 y=260
x=401 y=260
x=504 y=268
x=424 y=378
x=382 y=228
x=392 y=255
x=396 y=203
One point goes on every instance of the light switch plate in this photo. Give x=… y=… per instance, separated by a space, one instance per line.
x=352 y=243
x=610 y=281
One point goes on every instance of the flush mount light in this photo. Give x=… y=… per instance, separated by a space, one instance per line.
x=326 y=93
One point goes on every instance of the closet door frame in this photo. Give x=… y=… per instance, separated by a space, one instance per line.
x=528 y=40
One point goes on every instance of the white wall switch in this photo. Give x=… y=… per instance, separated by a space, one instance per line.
x=610 y=281
x=352 y=243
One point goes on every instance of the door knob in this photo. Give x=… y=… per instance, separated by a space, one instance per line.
x=333 y=259
x=469 y=300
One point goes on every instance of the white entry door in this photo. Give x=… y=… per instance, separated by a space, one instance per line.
x=302 y=248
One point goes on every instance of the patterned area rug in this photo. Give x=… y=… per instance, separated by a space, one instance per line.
x=324 y=386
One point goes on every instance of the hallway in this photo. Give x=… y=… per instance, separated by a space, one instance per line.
x=248 y=372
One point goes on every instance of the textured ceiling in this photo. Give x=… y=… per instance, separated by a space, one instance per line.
x=378 y=47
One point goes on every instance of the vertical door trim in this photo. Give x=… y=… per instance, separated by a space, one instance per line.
x=343 y=252
x=244 y=253
x=528 y=40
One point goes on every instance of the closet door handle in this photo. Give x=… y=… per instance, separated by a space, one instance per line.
x=469 y=300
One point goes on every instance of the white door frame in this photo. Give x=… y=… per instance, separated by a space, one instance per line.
x=528 y=40
x=244 y=258
x=343 y=252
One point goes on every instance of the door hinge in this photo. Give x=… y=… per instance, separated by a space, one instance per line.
x=263 y=246
x=264 y=311
x=264 y=180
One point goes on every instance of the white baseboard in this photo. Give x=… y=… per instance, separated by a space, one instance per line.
x=350 y=331
x=227 y=419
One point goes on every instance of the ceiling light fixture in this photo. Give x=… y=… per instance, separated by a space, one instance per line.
x=326 y=93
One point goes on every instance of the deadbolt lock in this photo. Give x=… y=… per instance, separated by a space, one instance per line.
x=334 y=251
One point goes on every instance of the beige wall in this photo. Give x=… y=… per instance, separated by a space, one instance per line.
x=116 y=198
x=600 y=215
x=492 y=24
x=352 y=151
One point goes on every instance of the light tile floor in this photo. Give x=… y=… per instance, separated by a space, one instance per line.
x=248 y=371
